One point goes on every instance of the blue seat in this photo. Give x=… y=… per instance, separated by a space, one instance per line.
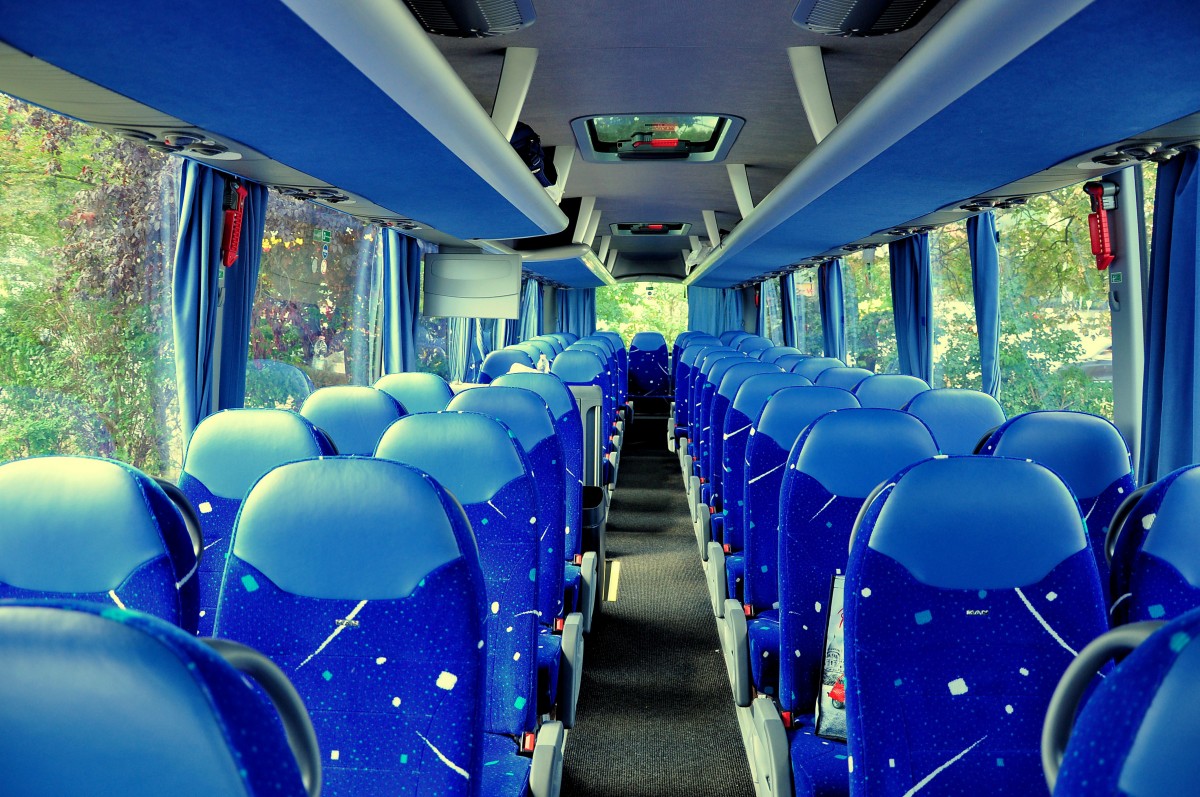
x=602 y=348
x=811 y=367
x=557 y=342
x=576 y=367
x=700 y=402
x=1088 y=453
x=752 y=345
x=788 y=362
x=1135 y=734
x=360 y=578
x=567 y=338
x=622 y=359
x=272 y=384
x=846 y=378
x=543 y=347
x=731 y=337
x=95 y=530
x=955 y=641
x=957 y=417
x=417 y=391
x=477 y=460
x=500 y=361
x=228 y=452
x=775 y=352
x=1155 y=571
x=648 y=374
x=353 y=417
x=99 y=701
x=685 y=365
x=530 y=348
x=889 y=391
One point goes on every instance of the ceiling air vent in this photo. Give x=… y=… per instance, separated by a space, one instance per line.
x=470 y=19
x=860 y=17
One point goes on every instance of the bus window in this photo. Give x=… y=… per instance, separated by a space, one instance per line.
x=870 y=327
x=87 y=234
x=632 y=307
x=955 y=345
x=810 y=337
x=772 y=313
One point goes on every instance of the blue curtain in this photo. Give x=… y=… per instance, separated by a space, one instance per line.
x=577 y=311
x=194 y=290
x=762 y=323
x=461 y=334
x=833 y=308
x=912 y=305
x=714 y=310
x=240 y=281
x=1170 y=436
x=401 y=301
x=985 y=281
x=787 y=307
x=530 y=324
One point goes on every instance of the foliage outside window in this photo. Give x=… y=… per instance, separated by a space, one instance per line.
x=870 y=326
x=314 y=314
x=810 y=337
x=772 y=312
x=87 y=236
x=631 y=307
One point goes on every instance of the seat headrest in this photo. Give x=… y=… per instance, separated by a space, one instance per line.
x=79 y=524
x=601 y=348
x=94 y=698
x=648 y=341
x=693 y=351
x=617 y=341
x=775 y=352
x=811 y=367
x=889 y=391
x=230 y=450
x=499 y=361
x=789 y=411
x=754 y=343
x=850 y=453
x=417 y=391
x=709 y=360
x=1172 y=533
x=355 y=417
x=577 y=367
x=598 y=340
x=471 y=455
x=549 y=387
x=975 y=522
x=721 y=367
x=736 y=375
x=522 y=411
x=846 y=378
x=956 y=416
x=1086 y=450
x=349 y=528
x=730 y=337
x=752 y=395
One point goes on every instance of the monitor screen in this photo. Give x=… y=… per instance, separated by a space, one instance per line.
x=472 y=285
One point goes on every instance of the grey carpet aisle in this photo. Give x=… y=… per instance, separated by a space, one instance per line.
x=655 y=716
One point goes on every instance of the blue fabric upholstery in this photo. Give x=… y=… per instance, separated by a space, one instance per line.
x=476 y=459
x=731 y=337
x=354 y=417
x=784 y=417
x=1136 y=734
x=703 y=390
x=505 y=770
x=543 y=347
x=955 y=641
x=889 y=391
x=228 y=453
x=754 y=343
x=835 y=464
x=152 y=710
x=1156 y=563
x=846 y=378
x=648 y=374
x=775 y=352
x=95 y=530
x=811 y=367
x=788 y=362
x=957 y=417
x=375 y=613
x=820 y=767
x=762 y=636
x=684 y=375
x=499 y=361
x=416 y=391
x=531 y=423
x=1087 y=452
x=731 y=381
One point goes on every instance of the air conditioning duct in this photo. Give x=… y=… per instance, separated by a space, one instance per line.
x=860 y=17
x=470 y=19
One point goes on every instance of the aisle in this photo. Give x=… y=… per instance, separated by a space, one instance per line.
x=655 y=716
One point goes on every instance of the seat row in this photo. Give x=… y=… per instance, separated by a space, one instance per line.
x=314 y=540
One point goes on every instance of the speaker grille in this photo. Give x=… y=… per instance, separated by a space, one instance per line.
x=860 y=17
x=472 y=18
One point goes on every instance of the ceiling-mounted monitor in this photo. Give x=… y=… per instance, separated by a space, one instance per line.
x=472 y=285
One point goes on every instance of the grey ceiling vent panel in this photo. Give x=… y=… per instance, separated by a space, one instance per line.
x=860 y=17
x=471 y=19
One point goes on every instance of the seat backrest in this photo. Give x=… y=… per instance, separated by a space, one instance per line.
x=685 y=376
x=958 y=418
x=786 y=414
x=1131 y=737
x=730 y=337
x=789 y=361
x=417 y=391
x=845 y=377
x=95 y=530
x=152 y=710
x=477 y=460
x=889 y=391
x=498 y=362
x=270 y=383
x=360 y=578
x=747 y=405
x=556 y=340
x=703 y=389
x=754 y=344
x=1156 y=562
x=353 y=417
x=775 y=352
x=1087 y=452
x=529 y=419
x=569 y=428
x=648 y=374
x=228 y=452
x=968 y=591
x=622 y=359
x=731 y=380
x=543 y=347
x=567 y=338
x=832 y=468
x=811 y=367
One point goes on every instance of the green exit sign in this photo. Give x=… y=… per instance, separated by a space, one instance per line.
x=322 y=236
